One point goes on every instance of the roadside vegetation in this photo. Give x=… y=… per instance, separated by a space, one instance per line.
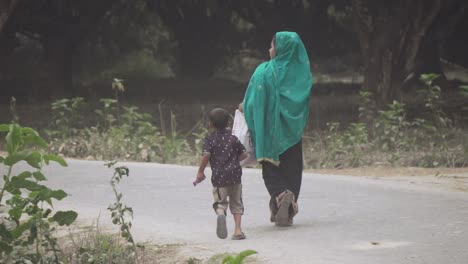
x=31 y=231
x=29 y=223
x=386 y=136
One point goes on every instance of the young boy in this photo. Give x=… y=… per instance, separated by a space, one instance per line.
x=224 y=152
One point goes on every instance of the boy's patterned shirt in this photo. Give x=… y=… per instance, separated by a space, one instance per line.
x=224 y=149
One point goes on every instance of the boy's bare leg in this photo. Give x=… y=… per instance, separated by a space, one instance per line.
x=237 y=221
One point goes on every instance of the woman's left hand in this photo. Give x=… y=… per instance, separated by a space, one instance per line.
x=241 y=109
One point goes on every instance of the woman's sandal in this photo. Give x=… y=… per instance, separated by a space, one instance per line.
x=284 y=201
x=273 y=210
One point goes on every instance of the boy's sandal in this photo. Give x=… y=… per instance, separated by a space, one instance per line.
x=221 y=229
x=239 y=237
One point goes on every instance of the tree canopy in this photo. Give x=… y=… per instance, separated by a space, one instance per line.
x=63 y=47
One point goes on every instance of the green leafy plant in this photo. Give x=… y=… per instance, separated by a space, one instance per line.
x=107 y=115
x=118 y=87
x=464 y=93
x=239 y=258
x=391 y=125
x=433 y=99
x=173 y=144
x=121 y=213
x=27 y=231
x=344 y=148
x=66 y=116
x=367 y=107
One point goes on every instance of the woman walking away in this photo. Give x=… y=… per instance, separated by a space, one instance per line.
x=276 y=109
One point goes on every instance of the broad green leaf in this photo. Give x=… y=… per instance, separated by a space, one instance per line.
x=33 y=195
x=58 y=194
x=35 y=140
x=64 y=218
x=22 y=176
x=4 y=128
x=2 y=159
x=59 y=160
x=34 y=159
x=16 y=157
x=16 y=213
x=18 y=183
x=228 y=260
x=18 y=231
x=46 y=194
x=39 y=176
x=13 y=139
x=43 y=194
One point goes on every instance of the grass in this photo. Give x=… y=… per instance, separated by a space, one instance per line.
x=93 y=245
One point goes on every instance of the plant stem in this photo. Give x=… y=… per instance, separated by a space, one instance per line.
x=118 y=105
x=122 y=219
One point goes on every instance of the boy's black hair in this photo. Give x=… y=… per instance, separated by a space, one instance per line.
x=219 y=118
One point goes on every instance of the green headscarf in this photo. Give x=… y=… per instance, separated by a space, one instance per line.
x=276 y=103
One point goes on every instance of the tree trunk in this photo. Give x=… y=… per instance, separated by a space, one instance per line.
x=382 y=71
x=390 y=37
x=196 y=60
x=59 y=63
x=7 y=33
x=428 y=59
x=7 y=7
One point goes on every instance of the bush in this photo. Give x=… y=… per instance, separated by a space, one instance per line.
x=27 y=230
x=133 y=138
x=389 y=138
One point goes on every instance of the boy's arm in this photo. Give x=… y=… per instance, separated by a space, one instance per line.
x=201 y=170
x=241 y=151
x=243 y=156
x=204 y=161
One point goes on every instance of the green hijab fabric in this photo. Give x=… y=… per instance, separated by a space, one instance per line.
x=276 y=103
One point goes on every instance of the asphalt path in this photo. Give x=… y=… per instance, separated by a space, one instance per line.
x=342 y=219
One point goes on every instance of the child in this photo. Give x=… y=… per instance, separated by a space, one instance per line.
x=224 y=152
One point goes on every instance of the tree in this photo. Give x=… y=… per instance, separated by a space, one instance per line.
x=204 y=33
x=390 y=34
x=446 y=26
x=7 y=37
x=59 y=25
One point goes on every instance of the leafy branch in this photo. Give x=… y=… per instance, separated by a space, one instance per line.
x=120 y=212
x=29 y=224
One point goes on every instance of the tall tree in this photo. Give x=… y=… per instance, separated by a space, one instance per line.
x=203 y=30
x=59 y=25
x=7 y=36
x=390 y=34
x=452 y=14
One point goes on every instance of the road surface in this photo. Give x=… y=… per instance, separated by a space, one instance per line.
x=342 y=219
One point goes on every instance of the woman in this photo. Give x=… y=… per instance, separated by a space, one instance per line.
x=276 y=109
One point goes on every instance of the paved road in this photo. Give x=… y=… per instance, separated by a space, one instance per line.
x=340 y=216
